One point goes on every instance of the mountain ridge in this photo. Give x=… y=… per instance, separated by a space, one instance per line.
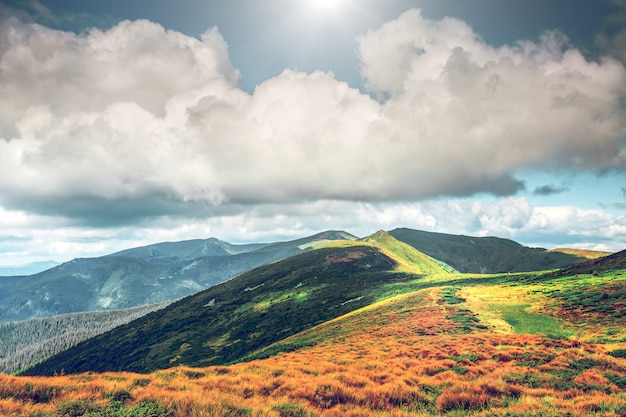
x=470 y=254
x=345 y=329
x=614 y=261
x=173 y=252
x=224 y=323
x=132 y=279
x=169 y=270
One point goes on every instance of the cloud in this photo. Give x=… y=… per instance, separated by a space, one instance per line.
x=135 y=122
x=514 y=218
x=23 y=235
x=545 y=190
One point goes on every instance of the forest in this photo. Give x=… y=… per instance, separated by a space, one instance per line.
x=25 y=342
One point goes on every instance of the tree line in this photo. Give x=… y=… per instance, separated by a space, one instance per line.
x=25 y=342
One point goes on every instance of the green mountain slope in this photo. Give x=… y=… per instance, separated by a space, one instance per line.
x=584 y=304
x=140 y=276
x=484 y=254
x=226 y=322
x=450 y=344
x=408 y=258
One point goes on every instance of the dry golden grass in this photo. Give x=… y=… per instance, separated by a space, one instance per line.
x=584 y=253
x=407 y=356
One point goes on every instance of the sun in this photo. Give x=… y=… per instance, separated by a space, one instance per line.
x=326 y=6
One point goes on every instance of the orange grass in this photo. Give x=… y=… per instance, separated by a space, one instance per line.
x=403 y=357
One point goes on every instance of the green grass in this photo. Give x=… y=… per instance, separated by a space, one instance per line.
x=262 y=312
x=524 y=322
x=276 y=349
x=296 y=296
x=408 y=259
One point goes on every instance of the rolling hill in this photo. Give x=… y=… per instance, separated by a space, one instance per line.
x=583 y=253
x=614 y=261
x=226 y=322
x=422 y=341
x=170 y=270
x=139 y=276
x=484 y=255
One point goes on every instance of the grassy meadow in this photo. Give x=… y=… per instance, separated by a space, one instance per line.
x=445 y=344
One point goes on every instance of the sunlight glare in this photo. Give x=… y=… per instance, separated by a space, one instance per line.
x=326 y=6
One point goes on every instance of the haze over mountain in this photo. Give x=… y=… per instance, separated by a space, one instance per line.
x=27 y=269
x=139 y=276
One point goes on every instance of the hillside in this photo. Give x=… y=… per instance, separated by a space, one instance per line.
x=484 y=255
x=228 y=321
x=25 y=342
x=511 y=345
x=170 y=270
x=583 y=253
x=615 y=261
x=139 y=276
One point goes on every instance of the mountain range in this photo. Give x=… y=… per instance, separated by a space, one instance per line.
x=170 y=270
x=140 y=276
x=229 y=321
x=356 y=327
x=127 y=279
x=233 y=320
x=484 y=255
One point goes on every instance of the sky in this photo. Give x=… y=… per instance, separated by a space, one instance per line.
x=125 y=123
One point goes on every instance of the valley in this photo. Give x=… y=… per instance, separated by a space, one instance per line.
x=369 y=327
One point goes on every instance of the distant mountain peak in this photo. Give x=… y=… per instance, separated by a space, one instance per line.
x=335 y=235
x=142 y=275
x=378 y=236
x=408 y=258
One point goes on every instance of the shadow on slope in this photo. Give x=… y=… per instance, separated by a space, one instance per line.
x=484 y=255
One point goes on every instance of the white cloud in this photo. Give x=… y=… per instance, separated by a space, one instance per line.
x=25 y=238
x=138 y=122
